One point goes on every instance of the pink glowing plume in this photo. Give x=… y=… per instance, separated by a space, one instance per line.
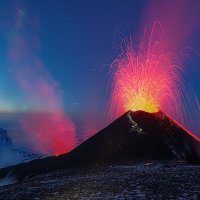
x=47 y=128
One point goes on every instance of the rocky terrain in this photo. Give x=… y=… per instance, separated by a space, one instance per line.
x=155 y=180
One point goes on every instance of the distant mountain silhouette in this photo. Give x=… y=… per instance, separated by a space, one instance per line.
x=4 y=139
x=11 y=153
x=134 y=136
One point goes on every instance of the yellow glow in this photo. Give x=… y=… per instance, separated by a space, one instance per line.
x=141 y=101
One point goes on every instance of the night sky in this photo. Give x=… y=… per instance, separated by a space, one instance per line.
x=70 y=45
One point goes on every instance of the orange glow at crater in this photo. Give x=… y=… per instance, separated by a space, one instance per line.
x=142 y=99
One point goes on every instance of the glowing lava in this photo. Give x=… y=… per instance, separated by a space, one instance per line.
x=147 y=80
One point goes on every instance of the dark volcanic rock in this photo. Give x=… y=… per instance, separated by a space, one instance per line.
x=132 y=137
x=150 y=181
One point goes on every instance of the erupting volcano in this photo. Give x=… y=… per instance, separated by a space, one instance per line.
x=148 y=88
x=73 y=127
x=133 y=137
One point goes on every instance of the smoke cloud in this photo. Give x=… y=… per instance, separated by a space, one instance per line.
x=47 y=129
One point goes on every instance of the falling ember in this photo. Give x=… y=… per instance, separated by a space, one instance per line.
x=151 y=80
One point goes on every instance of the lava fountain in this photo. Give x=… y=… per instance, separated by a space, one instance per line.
x=147 y=80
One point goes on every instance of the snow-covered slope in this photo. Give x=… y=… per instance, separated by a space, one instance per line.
x=11 y=154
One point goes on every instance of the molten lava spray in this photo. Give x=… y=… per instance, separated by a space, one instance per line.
x=147 y=79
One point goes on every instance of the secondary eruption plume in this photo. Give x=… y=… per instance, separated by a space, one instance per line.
x=47 y=129
x=149 y=80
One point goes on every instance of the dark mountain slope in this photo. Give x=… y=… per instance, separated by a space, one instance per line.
x=132 y=137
